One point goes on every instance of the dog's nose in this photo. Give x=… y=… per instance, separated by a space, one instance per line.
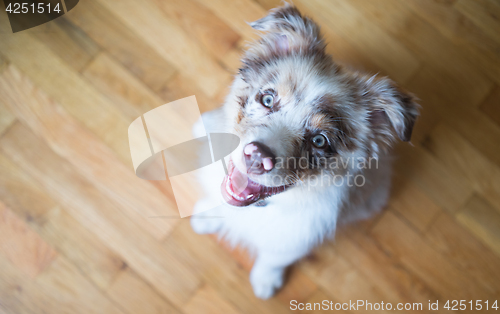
x=259 y=158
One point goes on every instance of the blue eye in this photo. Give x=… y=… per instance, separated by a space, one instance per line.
x=319 y=141
x=267 y=100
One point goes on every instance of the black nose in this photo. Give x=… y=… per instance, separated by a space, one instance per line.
x=259 y=158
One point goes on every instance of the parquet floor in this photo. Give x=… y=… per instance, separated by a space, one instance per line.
x=75 y=229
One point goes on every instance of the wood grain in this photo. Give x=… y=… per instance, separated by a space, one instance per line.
x=77 y=233
x=22 y=246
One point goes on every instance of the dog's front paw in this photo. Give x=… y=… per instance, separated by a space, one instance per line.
x=265 y=281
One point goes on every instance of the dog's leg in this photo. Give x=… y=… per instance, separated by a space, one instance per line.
x=267 y=273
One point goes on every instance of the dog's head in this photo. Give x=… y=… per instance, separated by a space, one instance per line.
x=295 y=111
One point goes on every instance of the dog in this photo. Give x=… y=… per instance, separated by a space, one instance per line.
x=314 y=150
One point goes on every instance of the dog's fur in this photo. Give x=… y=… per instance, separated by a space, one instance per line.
x=360 y=116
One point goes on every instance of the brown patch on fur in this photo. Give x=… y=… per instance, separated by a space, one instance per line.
x=242 y=101
x=317 y=121
x=240 y=116
x=336 y=123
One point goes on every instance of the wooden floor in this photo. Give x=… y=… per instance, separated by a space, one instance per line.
x=76 y=233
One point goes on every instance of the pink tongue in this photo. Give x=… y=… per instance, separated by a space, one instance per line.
x=242 y=185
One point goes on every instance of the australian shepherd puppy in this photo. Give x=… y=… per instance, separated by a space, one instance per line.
x=313 y=152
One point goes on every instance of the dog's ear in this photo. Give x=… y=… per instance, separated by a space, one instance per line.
x=390 y=107
x=288 y=28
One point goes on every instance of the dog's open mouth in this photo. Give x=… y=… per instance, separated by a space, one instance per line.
x=239 y=190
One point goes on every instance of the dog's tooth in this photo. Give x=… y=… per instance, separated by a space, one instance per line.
x=249 y=196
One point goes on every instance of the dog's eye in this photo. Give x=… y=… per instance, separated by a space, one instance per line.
x=319 y=141
x=267 y=100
